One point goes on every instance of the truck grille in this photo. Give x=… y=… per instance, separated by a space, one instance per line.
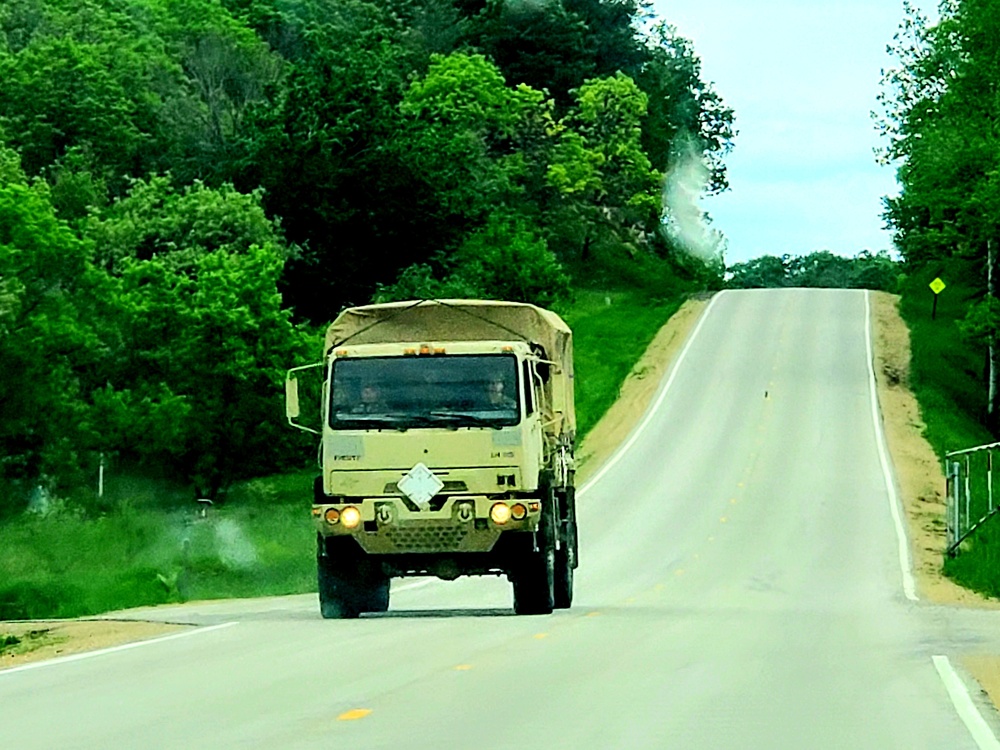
x=428 y=536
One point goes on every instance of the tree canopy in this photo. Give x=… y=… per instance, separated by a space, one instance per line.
x=188 y=188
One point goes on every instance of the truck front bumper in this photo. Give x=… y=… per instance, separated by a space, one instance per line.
x=388 y=525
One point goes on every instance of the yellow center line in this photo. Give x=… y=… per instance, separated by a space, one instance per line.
x=723 y=519
x=593 y=614
x=354 y=714
x=463 y=667
x=539 y=636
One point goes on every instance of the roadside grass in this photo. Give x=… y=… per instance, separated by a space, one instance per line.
x=611 y=330
x=948 y=380
x=66 y=565
x=145 y=543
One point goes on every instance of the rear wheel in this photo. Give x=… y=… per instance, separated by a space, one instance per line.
x=565 y=560
x=563 y=583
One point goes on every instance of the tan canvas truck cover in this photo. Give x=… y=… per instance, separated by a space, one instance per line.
x=427 y=321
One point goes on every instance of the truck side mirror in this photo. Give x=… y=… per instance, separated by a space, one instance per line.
x=292 y=410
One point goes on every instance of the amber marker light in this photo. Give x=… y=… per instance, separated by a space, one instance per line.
x=332 y=515
x=350 y=517
x=518 y=512
x=500 y=514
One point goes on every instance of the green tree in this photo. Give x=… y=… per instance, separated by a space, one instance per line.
x=196 y=335
x=462 y=123
x=157 y=218
x=43 y=341
x=348 y=199
x=767 y=271
x=605 y=183
x=505 y=259
x=207 y=346
x=84 y=75
x=684 y=111
x=940 y=109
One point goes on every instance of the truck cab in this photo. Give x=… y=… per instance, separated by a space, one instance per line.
x=443 y=456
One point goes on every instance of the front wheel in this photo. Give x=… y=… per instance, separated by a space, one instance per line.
x=349 y=584
x=534 y=583
x=338 y=599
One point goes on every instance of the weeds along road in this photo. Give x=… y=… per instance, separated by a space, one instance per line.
x=741 y=587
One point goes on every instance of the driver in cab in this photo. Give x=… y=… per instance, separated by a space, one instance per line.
x=497 y=396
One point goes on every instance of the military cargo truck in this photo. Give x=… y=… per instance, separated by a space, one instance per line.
x=447 y=437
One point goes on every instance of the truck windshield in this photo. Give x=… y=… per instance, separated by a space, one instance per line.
x=425 y=391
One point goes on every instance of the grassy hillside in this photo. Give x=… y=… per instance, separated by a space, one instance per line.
x=948 y=379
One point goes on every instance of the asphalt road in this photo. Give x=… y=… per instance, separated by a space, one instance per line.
x=741 y=587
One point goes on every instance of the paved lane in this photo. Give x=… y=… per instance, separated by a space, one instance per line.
x=740 y=588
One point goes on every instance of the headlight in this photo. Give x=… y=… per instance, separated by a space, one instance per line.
x=500 y=514
x=332 y=515
x=350 y=517
x=518 y=512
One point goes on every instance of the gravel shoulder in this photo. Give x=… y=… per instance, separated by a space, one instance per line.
x=920 y=478
x=26 y=642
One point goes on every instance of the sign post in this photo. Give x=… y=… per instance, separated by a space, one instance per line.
x=937 y=286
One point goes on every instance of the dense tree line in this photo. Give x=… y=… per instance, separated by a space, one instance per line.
x=821 y=269
x=940 y=118
x=188 y=187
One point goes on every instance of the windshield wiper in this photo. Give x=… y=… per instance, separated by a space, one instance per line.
x=465 y=417
x=371 y=420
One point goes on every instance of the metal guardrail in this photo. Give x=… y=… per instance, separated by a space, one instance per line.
x=971 y=500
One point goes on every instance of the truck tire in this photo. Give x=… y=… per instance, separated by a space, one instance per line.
x=534 y=583
x=563 y=579
x=338 y=599
x=566 y=555
x=348 y=583
x=535 y=577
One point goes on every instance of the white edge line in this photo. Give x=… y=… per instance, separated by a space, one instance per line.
x=113 y=649
x=651 y=412
x=967 y=711
x=905 y=564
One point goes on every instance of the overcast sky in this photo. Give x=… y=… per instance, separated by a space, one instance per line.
x=802 y=76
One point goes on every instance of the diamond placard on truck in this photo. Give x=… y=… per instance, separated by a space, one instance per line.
x=420 y=485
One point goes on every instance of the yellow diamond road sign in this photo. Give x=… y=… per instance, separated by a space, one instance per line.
x=937 y=286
